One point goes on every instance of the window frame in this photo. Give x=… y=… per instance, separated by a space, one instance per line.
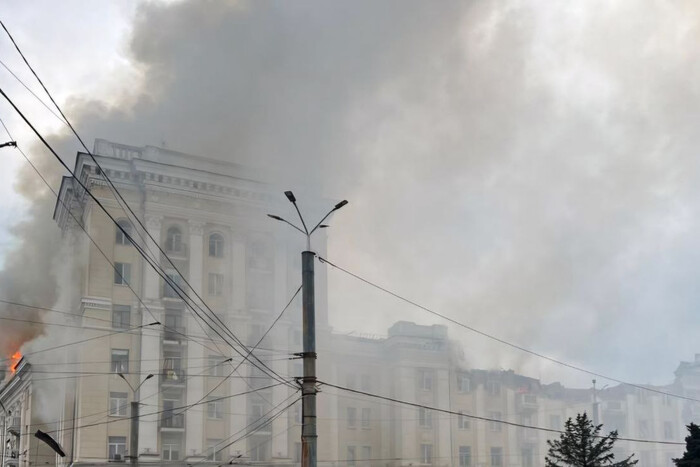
x=119 y=237
x=116 y=442
x=215 y=284
x=426 y=453
x=122 y=273
x=114 y=398
x=123 y=366
x=218 y=412
x=121 y=310
x=351 y=417
x=216 y=240
x=173 y=239
x=465 y=456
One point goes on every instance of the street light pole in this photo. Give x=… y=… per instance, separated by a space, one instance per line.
x=134 y=432
x=309 y=436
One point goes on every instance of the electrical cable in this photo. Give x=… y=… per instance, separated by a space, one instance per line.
x=487 y=419
x=498 y=339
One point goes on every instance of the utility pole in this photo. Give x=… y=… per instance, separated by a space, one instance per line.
x=309 y=435
x=595 y=405
x=134 y=431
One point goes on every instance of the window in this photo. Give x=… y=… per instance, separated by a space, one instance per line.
x=555 y=422
x=214 y=450
x=463 y=383
x=668 y=430
x=215 y=409
x=493 y=388
x=497 y=457
x=122 y=273
x=259 y=452
x=425 y=418
x=351 y=455
x=426 y=379
x=465 y=456
x=173 y=285
x=528 y=458
x=366 y=453
x=495 y=426
x=216 y=245
x=117 y=404
x=121 y=316
x=352 y=417
x=644 y=429
x=463 y=422
x=173 y=240
x=365 y=383
x=117 y=447
x=216 y=284
x=216 y=366
x=426 y=453
x=365 y=417
x=120 y=238
x=120 y=361
x=171 y=446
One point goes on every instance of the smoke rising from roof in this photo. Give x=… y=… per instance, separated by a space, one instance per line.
x=528 y=169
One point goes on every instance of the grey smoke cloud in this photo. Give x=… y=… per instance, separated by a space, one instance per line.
x=527 y=168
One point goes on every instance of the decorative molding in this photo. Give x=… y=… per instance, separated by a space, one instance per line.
x=196 y=227
x=96 y=303
x=154 y=222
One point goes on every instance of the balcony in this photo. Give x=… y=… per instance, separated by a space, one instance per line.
x=175 y=334
x=171 y=421
x=527 y=402
x=172 y=377
x=178 y=251
x=14 y=425
x=11 y=459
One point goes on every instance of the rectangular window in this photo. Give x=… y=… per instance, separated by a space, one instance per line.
x=668 y=430
x=497 y=457
x=122 y=273
x=425 y=418
x=117 y=404
x=215 y=409
x=465 y=456
x=351 y=455
x=216 y=284
x=172 y=445
x=352 y=417
x=120 y=361
x=214 y=450
x=365 y=417
x=493 y=388
x=555 y=422
x=495 y=426
x=366 y=453
x=426 y=453
x=426 y=379
x=121 y=316
x=173 y=285
x=463 y=383
x=216 y=366
x=528 y=458
x=116 y=447
x=463 y=422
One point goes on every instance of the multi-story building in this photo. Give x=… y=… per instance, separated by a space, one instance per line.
x=208 y=217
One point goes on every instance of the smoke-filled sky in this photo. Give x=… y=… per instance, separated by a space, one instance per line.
x=528 y=168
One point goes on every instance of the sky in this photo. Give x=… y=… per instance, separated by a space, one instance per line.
x=527 y=168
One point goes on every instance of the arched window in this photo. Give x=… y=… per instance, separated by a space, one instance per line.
x=173 y=241
x=122 y=239
x=216 y=245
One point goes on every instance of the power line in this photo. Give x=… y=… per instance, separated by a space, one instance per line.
x=498 y=339
x=32 y=92
x=118 y=196
x=477 y=417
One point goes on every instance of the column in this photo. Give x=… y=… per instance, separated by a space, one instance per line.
x=194 y=432
x=150 y=347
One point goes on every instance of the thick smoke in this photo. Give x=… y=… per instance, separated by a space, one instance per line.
x=526 y=168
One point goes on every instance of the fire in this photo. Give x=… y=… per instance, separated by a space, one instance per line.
x=14 y=360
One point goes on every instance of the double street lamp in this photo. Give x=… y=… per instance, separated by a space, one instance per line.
x=309 y=435
x=134 y=442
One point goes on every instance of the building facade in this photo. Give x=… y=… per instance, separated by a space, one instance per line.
x=207 y=404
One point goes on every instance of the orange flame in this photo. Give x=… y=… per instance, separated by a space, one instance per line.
x=14 y=361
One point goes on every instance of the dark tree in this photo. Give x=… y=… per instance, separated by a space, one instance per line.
x=581 y=445
x=691 y=456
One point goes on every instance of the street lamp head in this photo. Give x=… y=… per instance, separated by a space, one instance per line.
x=323 y=226
x=290 y=196
x=148 y=377
x=340 y=205
x=121 y=376
x=272 y=216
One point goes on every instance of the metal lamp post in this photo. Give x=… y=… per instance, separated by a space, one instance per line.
x=309 y=435
x=134 y=433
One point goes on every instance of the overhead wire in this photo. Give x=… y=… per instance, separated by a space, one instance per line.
x=478 y=417
x=120 y=199
x=498 y=339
